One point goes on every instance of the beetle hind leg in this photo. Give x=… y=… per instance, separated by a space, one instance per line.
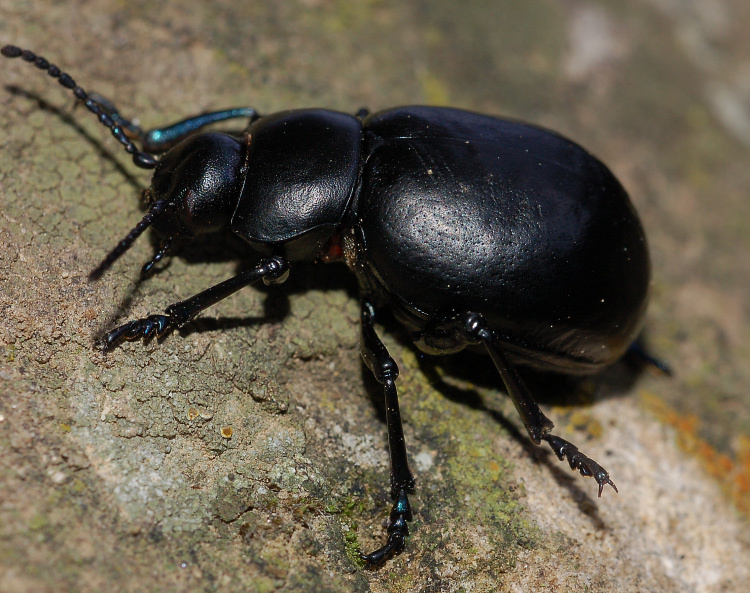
x=385 y=370
x=538 y=426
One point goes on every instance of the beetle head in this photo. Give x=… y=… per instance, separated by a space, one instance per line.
x=200 y=180
x=194 y=190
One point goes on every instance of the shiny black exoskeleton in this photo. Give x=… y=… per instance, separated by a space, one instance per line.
x=476 y=231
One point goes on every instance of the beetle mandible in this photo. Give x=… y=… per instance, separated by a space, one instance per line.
x=477 y=232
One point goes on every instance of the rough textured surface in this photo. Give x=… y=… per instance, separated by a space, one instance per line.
x=114 y=471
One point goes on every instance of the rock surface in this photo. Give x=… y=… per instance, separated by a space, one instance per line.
x=116 y=473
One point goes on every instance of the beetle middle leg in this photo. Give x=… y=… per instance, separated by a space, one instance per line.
x=385 y=370
x=273 y=270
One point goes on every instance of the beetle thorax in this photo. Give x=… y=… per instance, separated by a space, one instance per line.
x=303 y=168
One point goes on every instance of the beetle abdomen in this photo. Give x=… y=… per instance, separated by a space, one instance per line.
x=464 y=212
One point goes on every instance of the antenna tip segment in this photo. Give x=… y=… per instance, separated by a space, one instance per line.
x=11 y=51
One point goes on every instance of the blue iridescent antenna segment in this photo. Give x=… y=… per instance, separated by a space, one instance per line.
x=160 y=139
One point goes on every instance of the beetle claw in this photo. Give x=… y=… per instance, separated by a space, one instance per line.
x=578 y=461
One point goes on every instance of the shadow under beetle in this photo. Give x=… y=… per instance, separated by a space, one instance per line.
x=476 y=232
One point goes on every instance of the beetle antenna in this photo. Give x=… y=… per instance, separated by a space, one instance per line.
x=156 y=210
x=141 y=159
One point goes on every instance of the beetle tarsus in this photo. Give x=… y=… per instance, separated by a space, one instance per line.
x=148 y=267
x=398 y=530
x=578 y=461
x=146 y=328
x=156 y=210
x=393 y=546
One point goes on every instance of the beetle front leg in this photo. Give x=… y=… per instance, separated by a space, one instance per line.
x=377 y=359
x=537 y=424
x=273 y=270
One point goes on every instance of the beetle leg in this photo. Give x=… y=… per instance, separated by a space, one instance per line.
x=536 y=423
x=166 y=244
x=161 y=139
x=377 y=359
x=638 y=353
x=273 y=270
x=156 y=210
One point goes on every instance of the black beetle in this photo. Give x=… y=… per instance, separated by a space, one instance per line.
x=475 y=231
